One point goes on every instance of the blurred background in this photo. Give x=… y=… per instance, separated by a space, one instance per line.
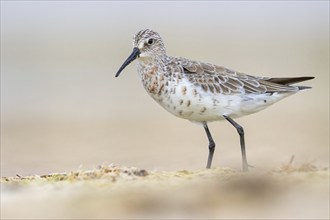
x=62 y=108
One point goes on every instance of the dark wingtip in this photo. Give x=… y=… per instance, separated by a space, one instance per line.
x=305 y=79
x=308 y=78
x=290 y=80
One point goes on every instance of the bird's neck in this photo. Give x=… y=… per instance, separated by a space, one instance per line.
x=152 y=76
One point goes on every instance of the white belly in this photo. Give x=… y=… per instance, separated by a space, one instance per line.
x=192 y=103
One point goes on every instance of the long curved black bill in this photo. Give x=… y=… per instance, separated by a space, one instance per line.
x=133 y=56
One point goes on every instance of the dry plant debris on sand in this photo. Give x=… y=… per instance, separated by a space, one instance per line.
x=125 y=192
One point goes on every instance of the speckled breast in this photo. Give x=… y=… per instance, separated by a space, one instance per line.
x=179 y=96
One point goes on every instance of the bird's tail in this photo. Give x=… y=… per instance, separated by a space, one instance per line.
x=291 y=80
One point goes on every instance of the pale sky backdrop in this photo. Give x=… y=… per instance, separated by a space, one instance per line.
x=62 y=107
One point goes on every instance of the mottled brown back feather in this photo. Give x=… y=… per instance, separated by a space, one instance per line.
x=221 y=79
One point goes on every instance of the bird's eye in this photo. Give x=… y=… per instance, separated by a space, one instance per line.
x=150 y=41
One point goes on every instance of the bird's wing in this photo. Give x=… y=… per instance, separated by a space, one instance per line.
x=219 y=79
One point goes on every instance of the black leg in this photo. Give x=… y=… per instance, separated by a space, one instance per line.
x=211 y=146
x=240 y=131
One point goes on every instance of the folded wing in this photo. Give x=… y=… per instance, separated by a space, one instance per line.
x=218 y=79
